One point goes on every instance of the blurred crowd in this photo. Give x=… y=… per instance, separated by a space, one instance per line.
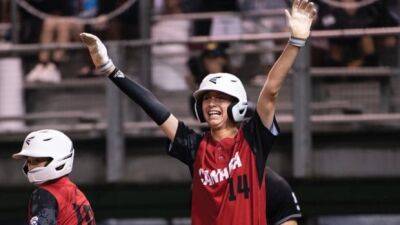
x=357 y=51
x=184 y=65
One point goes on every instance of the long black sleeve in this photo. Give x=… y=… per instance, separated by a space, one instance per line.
x=143 y=97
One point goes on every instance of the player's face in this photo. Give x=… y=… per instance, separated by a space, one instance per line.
x=215 y=108
x=33 y=162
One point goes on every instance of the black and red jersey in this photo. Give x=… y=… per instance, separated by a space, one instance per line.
x=228 y=175
x=59 y=202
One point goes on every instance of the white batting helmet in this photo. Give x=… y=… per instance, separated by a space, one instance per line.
x=47 y=144
x=226 y=83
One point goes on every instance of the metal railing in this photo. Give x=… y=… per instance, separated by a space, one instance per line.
x=29 y=48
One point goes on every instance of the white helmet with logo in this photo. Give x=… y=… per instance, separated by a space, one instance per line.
x=226 y=83
x=47 y=144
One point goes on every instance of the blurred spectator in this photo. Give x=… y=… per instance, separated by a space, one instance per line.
x=60 y=27
x=218 y=25
x=46 y=70
x=169 y=61
x=5 y=11
x=352 y=51
x=124 y=26
x=30 y=25
x=213 y=59
x=5 y=20
x=260 y=24
x=387 y=45
x=203 y=27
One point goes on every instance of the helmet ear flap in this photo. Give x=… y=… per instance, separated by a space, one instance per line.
x=237 y=111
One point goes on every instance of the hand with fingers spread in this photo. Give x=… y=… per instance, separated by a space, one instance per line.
x=98 y=53
x=300 y=19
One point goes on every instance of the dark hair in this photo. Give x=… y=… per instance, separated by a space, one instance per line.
x=213 y=50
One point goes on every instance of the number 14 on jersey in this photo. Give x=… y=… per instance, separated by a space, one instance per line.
x=241 y=187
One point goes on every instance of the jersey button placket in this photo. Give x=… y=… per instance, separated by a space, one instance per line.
x=219 y=154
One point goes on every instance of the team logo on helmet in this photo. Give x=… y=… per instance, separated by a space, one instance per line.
x=214 y=79
x=28 y=140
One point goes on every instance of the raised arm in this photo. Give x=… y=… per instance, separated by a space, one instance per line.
x=299 y=20
x=139 y=94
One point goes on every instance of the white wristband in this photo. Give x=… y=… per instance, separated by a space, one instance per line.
x=297 y=42
x=106 y=68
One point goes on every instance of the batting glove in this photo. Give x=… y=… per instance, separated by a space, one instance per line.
x=299 y=20
x=98 y=52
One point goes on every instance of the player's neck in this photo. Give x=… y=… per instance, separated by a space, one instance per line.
x=221 y=133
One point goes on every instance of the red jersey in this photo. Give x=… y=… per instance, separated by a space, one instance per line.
x=228 y=175
x=60 y=202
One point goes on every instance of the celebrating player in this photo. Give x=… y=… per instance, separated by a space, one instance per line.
x=282 y=205
x=227 y=163
x=49 y=156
